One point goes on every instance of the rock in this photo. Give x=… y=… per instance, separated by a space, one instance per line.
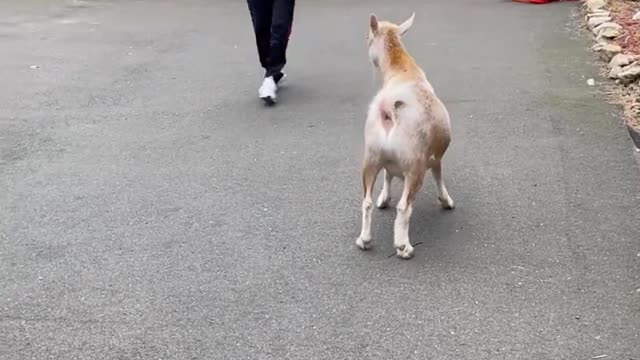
x=629 y=73
x=621 y=60
x=597 y=13
x=608 y=51
x=596 y=4
x=591 y=82
x=610 y=33
x=608 y=30
x=615 y=72
x=597 y=20
x=636 y=17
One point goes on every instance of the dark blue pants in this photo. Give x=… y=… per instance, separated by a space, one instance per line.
x=272 y=21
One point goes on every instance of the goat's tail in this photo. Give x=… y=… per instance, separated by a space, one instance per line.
x=388 y=112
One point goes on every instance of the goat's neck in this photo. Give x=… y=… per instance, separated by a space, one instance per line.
x=396 y=60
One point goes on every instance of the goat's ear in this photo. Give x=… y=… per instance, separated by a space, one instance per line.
x=407 y=24
x=373 y=23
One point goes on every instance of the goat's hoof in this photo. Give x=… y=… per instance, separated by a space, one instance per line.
x=362 y=243
x=383 y=201
x=447 y=203
x=405 y=251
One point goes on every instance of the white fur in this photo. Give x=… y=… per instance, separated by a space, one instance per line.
x=394 y=146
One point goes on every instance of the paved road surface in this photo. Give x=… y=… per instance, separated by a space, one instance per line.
x=152 y=208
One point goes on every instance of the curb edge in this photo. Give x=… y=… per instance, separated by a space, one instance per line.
x=635 y=136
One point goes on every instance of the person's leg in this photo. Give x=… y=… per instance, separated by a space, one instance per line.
x=281 y=23
x=261 y=14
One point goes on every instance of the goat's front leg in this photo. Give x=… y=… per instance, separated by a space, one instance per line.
x=369 y=173
x=412 y=184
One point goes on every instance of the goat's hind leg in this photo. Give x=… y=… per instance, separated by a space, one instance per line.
x=443 y=195
x=370 y=171
x=412 y=184
x=383 y=199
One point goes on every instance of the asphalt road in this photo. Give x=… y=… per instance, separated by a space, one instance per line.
x=152 y=208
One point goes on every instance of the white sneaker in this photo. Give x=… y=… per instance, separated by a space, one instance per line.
x=268 y=91
x=282 y=80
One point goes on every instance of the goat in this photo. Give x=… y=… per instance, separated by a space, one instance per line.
x=407 y=132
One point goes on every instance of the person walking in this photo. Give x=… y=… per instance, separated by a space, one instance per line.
x=272 y=21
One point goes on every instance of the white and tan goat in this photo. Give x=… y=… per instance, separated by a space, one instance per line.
x=407 y=132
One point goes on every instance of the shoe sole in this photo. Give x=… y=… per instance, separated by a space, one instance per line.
x=268 y=100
